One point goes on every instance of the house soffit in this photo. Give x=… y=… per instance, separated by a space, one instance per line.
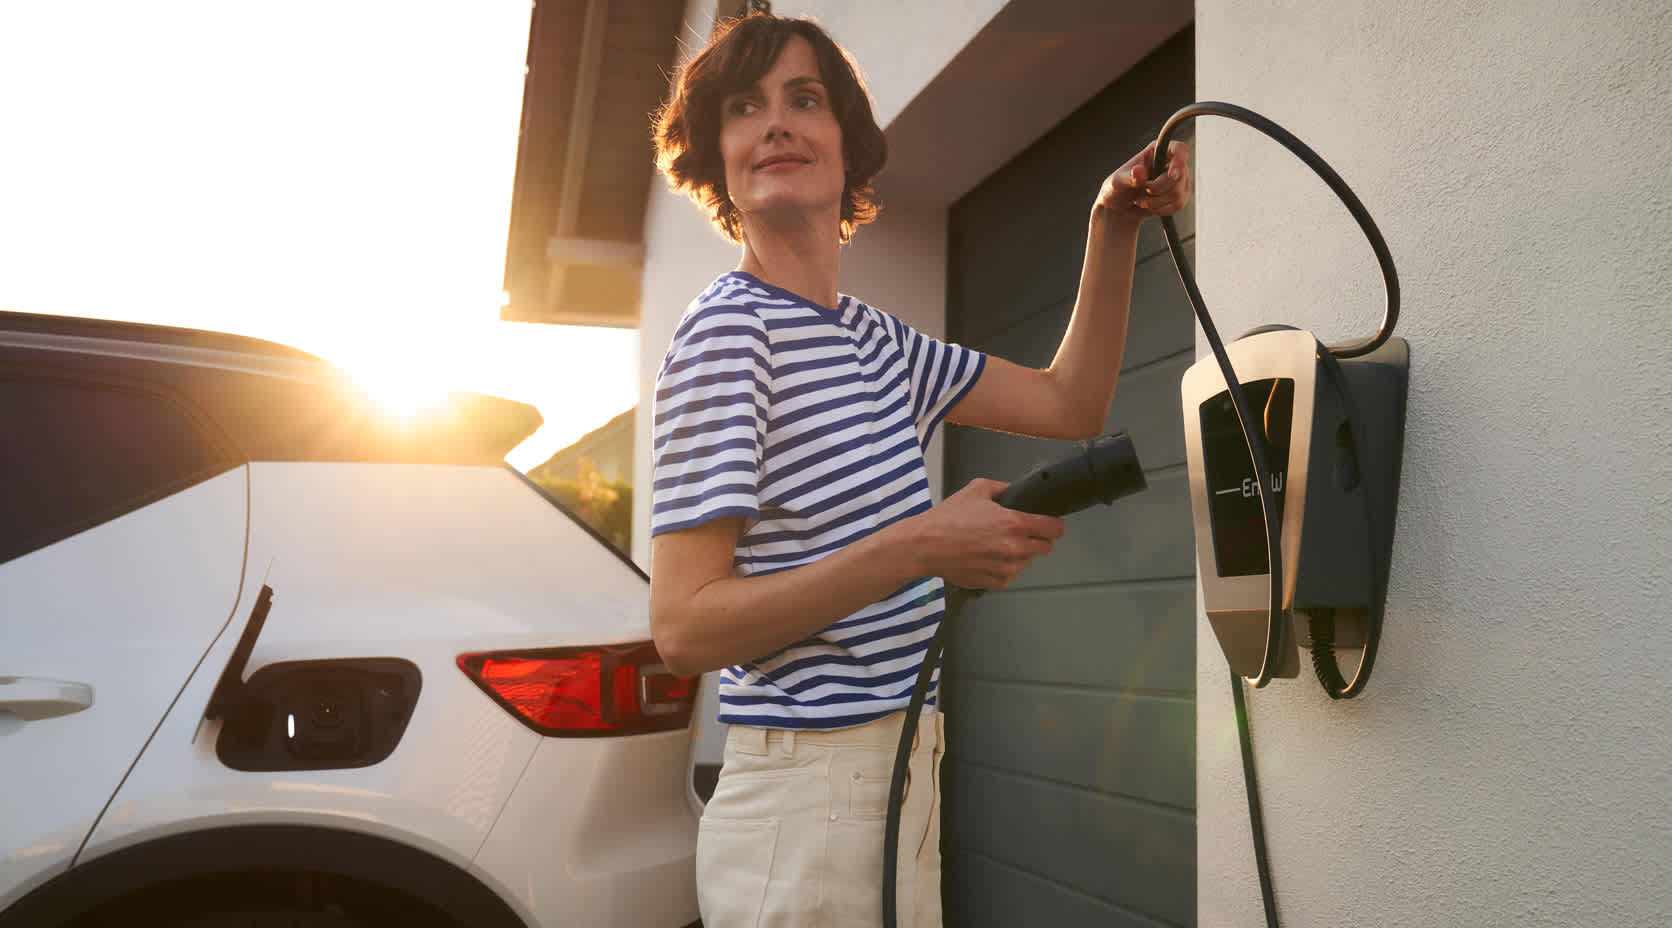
x=596 y=71
x=1031 y=66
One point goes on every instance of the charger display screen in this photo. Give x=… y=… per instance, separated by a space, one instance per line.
x=1234 y=510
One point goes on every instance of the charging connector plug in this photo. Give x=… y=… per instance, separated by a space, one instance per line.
x=1105 y=470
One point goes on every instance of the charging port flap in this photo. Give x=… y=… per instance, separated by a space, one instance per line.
x=318 y=715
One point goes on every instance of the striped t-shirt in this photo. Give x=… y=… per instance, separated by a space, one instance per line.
x=810 y=424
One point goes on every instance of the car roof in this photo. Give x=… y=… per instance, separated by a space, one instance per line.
x=270 y=401
x=148 y=333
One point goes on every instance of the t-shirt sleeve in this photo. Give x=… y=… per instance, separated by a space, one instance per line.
x=941 y=373
x=711 y=402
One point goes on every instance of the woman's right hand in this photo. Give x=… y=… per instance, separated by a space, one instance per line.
x=973 y=542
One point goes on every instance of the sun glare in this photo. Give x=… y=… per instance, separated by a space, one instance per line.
x=355 y=208
x=578 y=378
x=398 y=390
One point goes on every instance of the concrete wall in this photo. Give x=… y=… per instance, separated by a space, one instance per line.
x=1509 y=763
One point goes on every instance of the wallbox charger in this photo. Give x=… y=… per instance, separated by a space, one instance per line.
x=1333 y=452
x=1286 y=453
x=1281 y=395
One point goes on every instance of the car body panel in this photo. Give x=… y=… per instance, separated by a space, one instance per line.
x=438 y=792
x=133 y=634
x=628 y=827
x=379 y=538
x=427 y=562
x=472 y=558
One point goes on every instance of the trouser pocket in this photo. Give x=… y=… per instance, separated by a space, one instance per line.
x=734 y=861
x=859 y=782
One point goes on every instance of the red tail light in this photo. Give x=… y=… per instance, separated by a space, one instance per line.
x=583 y=692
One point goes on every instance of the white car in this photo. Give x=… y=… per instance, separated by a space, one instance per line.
x=269 y=656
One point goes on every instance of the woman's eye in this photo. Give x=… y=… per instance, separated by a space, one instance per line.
x=740 y=107
x=807 y=102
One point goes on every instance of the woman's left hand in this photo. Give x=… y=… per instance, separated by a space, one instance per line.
x=1131 y=193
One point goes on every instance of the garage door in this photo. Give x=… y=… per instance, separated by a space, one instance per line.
x=1070 y=782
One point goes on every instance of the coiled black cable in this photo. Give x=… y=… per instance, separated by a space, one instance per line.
x=1322 y=626
x=1276 y=629
x=1328 y=674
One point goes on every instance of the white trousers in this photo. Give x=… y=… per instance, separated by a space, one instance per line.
x=793 y=835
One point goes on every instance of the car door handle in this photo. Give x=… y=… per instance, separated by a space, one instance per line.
x=35 y=698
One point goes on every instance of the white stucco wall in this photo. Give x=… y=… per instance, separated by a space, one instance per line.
x=1509 y=762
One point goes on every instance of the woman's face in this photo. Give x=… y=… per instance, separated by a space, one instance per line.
x=781 y=143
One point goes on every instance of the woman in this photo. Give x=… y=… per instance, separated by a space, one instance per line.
x=795 y=543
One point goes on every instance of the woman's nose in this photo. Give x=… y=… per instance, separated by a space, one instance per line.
x=777 y=126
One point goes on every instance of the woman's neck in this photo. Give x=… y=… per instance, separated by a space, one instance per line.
x=798 y=259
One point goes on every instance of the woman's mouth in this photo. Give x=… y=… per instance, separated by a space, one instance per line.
x=780 y=161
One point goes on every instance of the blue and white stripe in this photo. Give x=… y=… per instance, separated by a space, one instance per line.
x=810 y=424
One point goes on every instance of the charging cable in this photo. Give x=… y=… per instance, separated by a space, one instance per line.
x=1322 y=638
x=1099 y=471
x=1328 y=674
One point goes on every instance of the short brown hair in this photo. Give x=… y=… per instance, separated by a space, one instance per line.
x=687 y=127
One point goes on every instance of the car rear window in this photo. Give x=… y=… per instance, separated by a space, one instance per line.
x=75 y=455
x=619 y=546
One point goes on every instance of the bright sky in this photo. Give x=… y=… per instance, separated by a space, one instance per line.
x=331 y=174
